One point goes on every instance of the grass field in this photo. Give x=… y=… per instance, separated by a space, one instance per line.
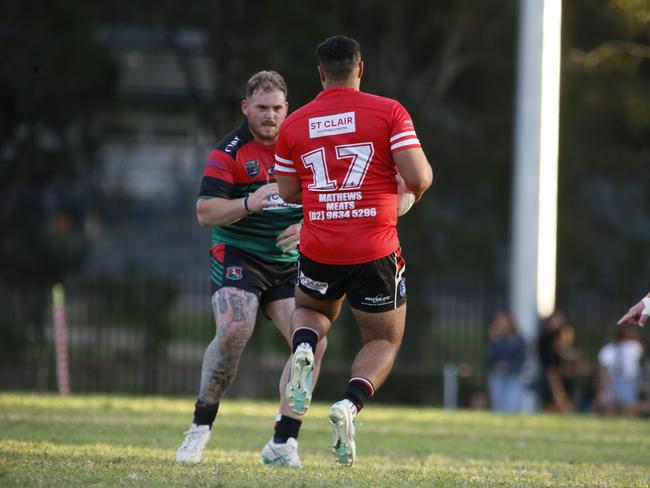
x=116 y=441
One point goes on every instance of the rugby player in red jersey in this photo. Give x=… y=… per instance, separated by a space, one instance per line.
x=253 y=261
x=339 y=156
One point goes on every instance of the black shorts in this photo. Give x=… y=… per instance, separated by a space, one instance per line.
x=267 y=280
x=375 y=286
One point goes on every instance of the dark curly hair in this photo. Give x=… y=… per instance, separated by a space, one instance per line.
x=338 y=56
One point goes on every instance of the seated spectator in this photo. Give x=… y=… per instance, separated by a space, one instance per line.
x=506 y=353
x=619 y=372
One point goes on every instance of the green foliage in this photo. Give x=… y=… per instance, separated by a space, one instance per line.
x=21 y=321
x=604 y=163
x=138 y=298
x=116 y=441
x=453 y=69
x=54 y=78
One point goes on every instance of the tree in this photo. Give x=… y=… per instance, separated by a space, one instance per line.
x=604 y=199
x=55 y=79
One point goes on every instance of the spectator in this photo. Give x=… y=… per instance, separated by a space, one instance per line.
x=547 y=332
x=506 y=357
x=619 y=373
x=555 y=348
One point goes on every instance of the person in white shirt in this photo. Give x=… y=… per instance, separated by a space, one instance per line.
x=638 y=313
x=619 y=374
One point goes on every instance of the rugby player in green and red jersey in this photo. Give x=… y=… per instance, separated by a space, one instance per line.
x=253 y=261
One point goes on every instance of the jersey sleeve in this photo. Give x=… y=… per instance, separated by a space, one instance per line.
x=218 y=176
x=402 y=134
x=284 y=165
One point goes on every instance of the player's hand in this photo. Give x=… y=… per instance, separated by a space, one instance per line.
x=290 y=237
x=635 y=315
x=259 y=199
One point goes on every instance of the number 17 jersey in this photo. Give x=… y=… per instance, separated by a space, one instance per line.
x=341 y=146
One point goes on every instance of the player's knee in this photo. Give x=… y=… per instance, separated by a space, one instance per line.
x=235 y=335
x=395 y=335
x=391 y=337
x=322 y=313
x=309 y=318
x=396 y=342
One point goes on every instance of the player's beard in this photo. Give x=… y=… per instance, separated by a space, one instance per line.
x=265 y=131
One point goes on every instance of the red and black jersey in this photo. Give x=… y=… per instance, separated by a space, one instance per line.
x=341 y=146
x=237 y=166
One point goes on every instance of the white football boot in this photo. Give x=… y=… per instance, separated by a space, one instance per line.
x=191 y=449
x=281 y=454
x=298 y=392
x=341 y=417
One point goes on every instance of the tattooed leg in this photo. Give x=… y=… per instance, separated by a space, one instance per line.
x=235 y=311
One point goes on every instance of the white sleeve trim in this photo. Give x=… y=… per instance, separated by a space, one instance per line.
x=282 y=160
x=402 y=134
x=407 y=142
x=284 y=169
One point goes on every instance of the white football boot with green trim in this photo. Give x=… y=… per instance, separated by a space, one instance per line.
x=341 y=417
x=298 y=392
x=281 y=454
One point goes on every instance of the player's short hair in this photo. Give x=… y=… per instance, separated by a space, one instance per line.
x=265 y=81
x=338 y=56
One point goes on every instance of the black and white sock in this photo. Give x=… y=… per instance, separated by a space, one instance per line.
x=205 y=414
x=286 y=427
x=359 y=391
x=304 y=334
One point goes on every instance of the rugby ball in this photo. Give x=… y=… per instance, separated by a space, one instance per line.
x=405 y=197
x=278 y=204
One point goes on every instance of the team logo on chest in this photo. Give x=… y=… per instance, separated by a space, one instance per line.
x=253 y=168
x=234 y=273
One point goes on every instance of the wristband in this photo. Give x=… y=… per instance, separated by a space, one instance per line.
x=248 y=210
x=646 y=304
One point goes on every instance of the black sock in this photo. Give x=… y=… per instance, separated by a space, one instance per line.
x=205 y=414
x=359 y=391
x=304 y=334
x=286 y=427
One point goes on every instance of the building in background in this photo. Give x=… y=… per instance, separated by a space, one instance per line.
x=155 y=142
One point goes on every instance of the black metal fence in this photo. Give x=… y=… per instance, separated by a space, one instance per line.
x=142 y=334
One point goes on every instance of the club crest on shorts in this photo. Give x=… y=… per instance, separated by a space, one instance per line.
x=253 y=168
x=402 y=288
x=234 y=273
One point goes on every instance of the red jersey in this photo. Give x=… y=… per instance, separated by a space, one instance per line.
x=340 y=146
